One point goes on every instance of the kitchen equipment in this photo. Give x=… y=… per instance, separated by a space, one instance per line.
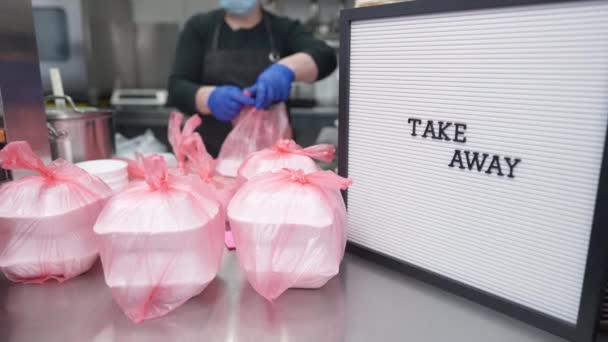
x=141 y=113
x=92 y=42
x=57 y=86
x=79 y=134
x=139 y=97
x=20 y=86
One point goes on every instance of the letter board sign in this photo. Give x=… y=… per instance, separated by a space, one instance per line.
x=476 y=133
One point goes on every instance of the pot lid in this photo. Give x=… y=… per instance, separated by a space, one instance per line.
x=81 y=113
x=73 y=112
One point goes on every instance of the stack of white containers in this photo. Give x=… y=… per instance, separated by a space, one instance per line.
x=112 y=172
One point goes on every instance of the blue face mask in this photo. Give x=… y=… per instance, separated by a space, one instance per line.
x=239 y=7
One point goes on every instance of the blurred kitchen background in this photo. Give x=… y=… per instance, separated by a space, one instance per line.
x=118 y=54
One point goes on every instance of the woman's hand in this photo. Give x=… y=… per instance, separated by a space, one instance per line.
x=226 y=102
x=273 y=85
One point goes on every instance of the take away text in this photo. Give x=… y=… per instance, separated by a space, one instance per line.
x=463 y=159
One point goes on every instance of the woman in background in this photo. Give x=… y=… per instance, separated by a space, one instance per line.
x=241 y=47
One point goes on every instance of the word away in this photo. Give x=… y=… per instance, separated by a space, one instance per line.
x=474 y=162
x=471 y=160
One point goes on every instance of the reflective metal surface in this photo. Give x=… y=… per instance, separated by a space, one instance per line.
x=80 y=134
x=100 y=46
x=155 y=51
x=365 y=303
x=20 y=77
x=73 y=64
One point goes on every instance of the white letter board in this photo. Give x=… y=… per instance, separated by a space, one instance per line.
x=499 y=192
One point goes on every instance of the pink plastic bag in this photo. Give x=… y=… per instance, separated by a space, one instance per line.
x=290 y=229
x=46 y=220
x=193 y=157
x=161 y=241
x=253 y=130
x=285 y=154
x=176 y=137
x=200 y=163
x=135 y=167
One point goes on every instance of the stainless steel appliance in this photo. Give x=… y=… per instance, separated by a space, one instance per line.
x=79 y=134
x=92 y=42
x=21 y=105
x=139 y=97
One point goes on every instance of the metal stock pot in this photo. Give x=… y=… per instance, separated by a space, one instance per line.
x=79 y=134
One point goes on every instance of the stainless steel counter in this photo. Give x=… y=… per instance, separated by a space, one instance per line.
x=365 y=303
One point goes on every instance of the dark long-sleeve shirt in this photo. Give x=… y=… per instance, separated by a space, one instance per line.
x=197 y=36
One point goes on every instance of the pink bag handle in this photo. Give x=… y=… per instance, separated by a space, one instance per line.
x=174 y=130
x=177 y=136
x=194 y=148
x=135 y=168
x=156 y=174
x=322 y=179
x=322 y=152
x=191 y=125
x=19 y=155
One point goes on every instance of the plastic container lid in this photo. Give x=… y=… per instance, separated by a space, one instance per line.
x=115 y=183
x=118 y=188
x=105 y=168
x=116 y=180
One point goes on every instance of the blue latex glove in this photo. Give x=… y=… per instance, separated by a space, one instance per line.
x=226 y=102
x=273 y=85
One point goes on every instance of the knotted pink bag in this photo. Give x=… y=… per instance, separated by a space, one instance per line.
x=161 y=241
x=285 y=154
x=46 y=220
x=290 y=229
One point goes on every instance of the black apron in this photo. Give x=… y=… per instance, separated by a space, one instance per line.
x=232 y=67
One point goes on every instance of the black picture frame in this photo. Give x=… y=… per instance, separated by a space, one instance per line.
x=585 y=329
